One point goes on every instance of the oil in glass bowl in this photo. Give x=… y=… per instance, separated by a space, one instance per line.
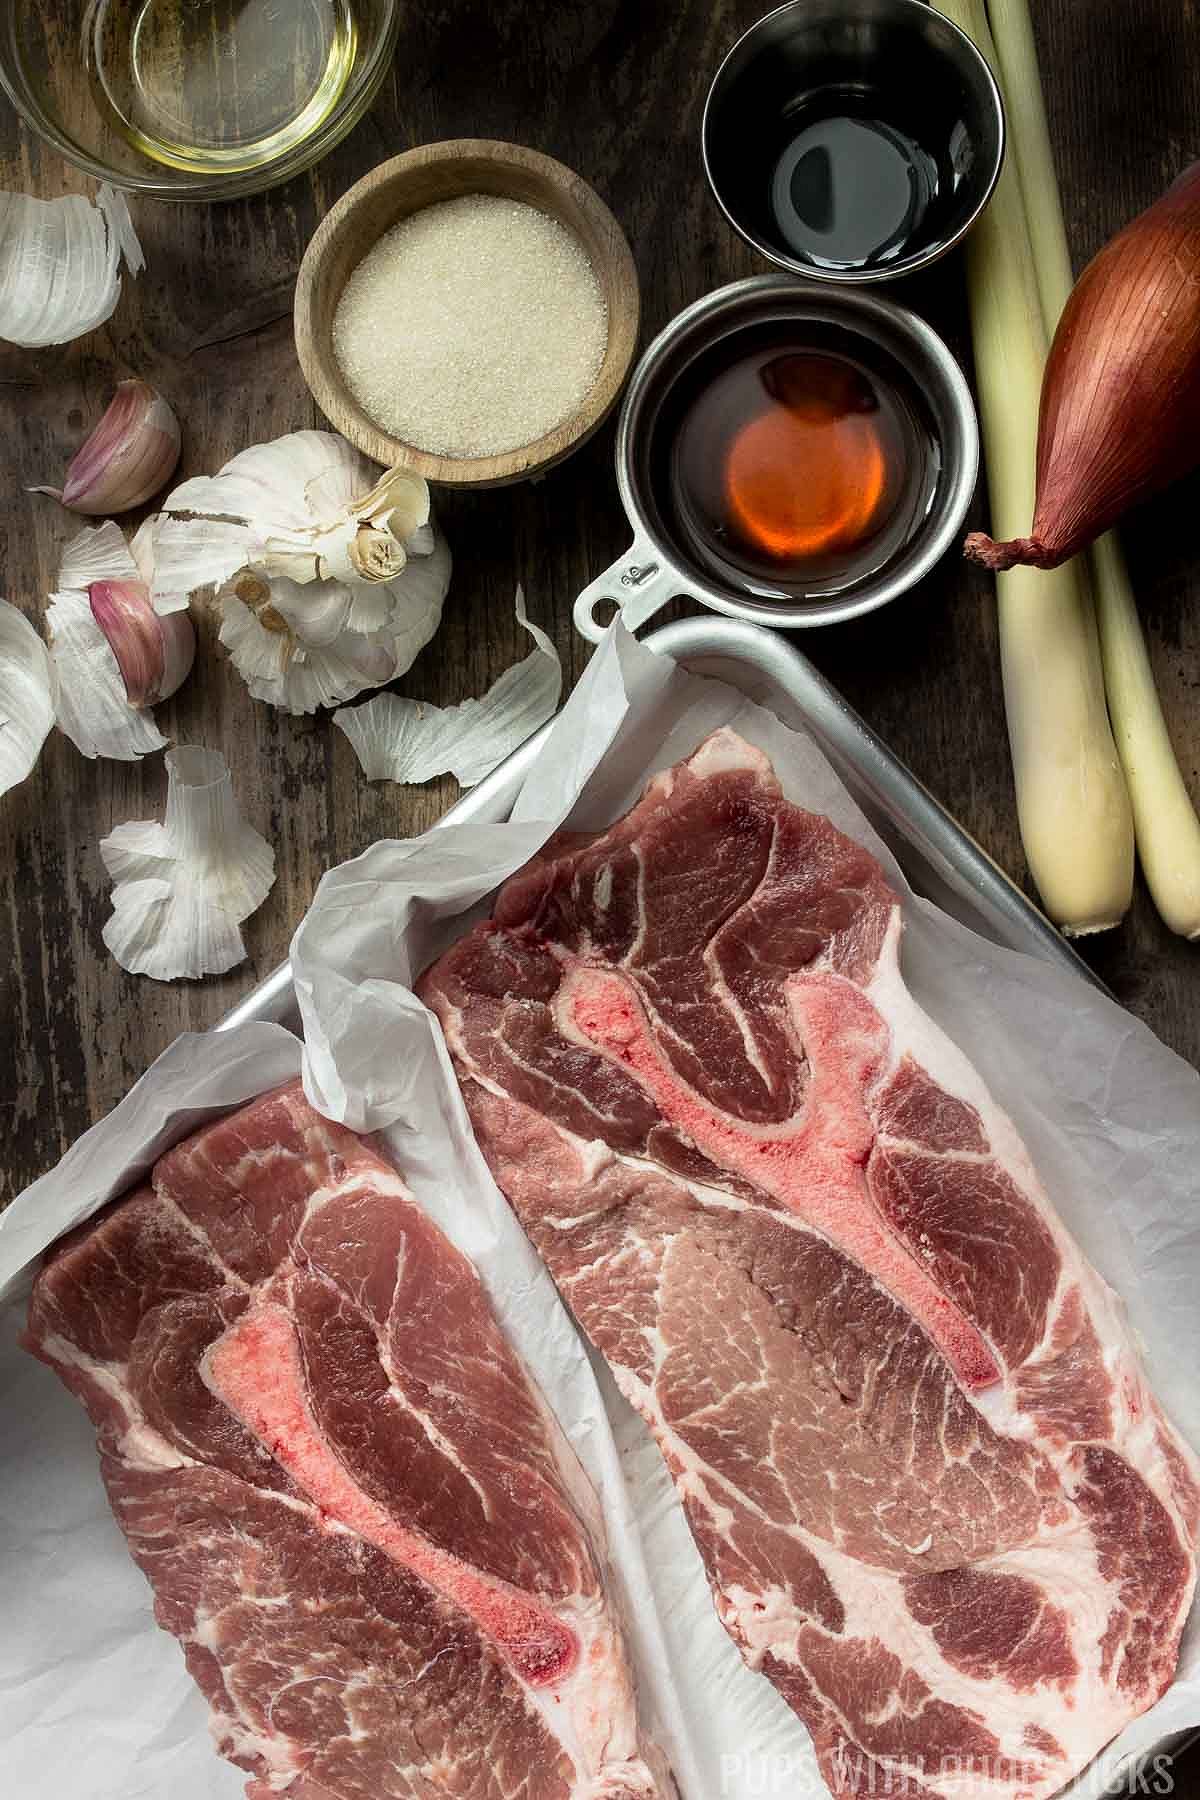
x=794 y=462
x=218 y=86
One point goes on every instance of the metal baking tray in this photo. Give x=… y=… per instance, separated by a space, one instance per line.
x=937 y=855
x=939 y=858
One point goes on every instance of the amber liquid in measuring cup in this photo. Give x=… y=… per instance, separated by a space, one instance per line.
x=218 y=85
x=796 y=464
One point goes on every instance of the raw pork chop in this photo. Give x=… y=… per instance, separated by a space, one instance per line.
x=938 y=1505
x=357 y=1515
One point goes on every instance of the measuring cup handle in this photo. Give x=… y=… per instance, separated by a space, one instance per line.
x=639 y=584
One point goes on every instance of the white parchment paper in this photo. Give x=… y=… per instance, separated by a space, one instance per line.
x=1111 y=1116
x=95 y=1703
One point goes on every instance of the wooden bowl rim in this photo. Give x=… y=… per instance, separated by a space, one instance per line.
x=320 y=368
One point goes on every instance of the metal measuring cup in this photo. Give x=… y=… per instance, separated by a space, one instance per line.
x=658 y=566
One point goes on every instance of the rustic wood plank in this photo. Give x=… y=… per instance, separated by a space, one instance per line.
x=614 y=88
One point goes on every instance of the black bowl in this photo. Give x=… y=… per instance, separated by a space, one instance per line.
x=908 y=81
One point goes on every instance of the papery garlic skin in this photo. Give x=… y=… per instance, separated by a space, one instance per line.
x=27 y=687
x=154 y=654
x=325 y=584
x=92 y=707
x=184 y=887
x=397 y=739
x=101 y=684
x=60 y=264
x=131 y=454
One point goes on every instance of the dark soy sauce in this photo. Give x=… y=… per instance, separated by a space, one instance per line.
x=850 y=193
x=794 y=461
x=851 y=186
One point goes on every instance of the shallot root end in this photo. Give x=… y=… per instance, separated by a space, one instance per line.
x=982 y=549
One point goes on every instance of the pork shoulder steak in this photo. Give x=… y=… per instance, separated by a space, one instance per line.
x=938 y=1505
x=356 y=1512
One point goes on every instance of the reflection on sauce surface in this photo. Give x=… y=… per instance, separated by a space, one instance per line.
x=852 y=193
x=791 y=468
x=810 y=473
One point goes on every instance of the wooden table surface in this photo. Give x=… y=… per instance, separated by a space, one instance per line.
x=614 y=88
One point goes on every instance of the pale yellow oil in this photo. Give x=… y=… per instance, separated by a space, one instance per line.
x=219 y=85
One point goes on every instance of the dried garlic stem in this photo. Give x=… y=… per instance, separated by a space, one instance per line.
x=1168 y=830
x=1072 y=801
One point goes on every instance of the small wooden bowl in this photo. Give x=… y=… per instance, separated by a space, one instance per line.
x=404 y=185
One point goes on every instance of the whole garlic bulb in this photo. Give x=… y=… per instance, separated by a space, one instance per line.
x=328 y=579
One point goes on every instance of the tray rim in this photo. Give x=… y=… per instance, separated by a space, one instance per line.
x=851 y=746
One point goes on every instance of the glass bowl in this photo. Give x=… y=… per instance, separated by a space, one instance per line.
x=195 y=99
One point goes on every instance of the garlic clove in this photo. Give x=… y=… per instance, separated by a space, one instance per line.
x=179 y=634
x=176 y=631
x=319 y=613
x=397 y=739
x=27 y=684
x=153 y=654
x=130 y=455
x=112 y=652
x=119 y=609
x=182 y=888
x=92 y=707
x=179 y=644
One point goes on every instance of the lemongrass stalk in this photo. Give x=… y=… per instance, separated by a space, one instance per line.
x=1072 y=801
x=1029 y=147
x=1165 y=821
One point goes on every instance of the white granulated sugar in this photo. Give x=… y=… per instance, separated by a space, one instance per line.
x=472 y=328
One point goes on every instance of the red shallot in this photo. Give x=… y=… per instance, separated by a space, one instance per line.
x=1121 y=397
